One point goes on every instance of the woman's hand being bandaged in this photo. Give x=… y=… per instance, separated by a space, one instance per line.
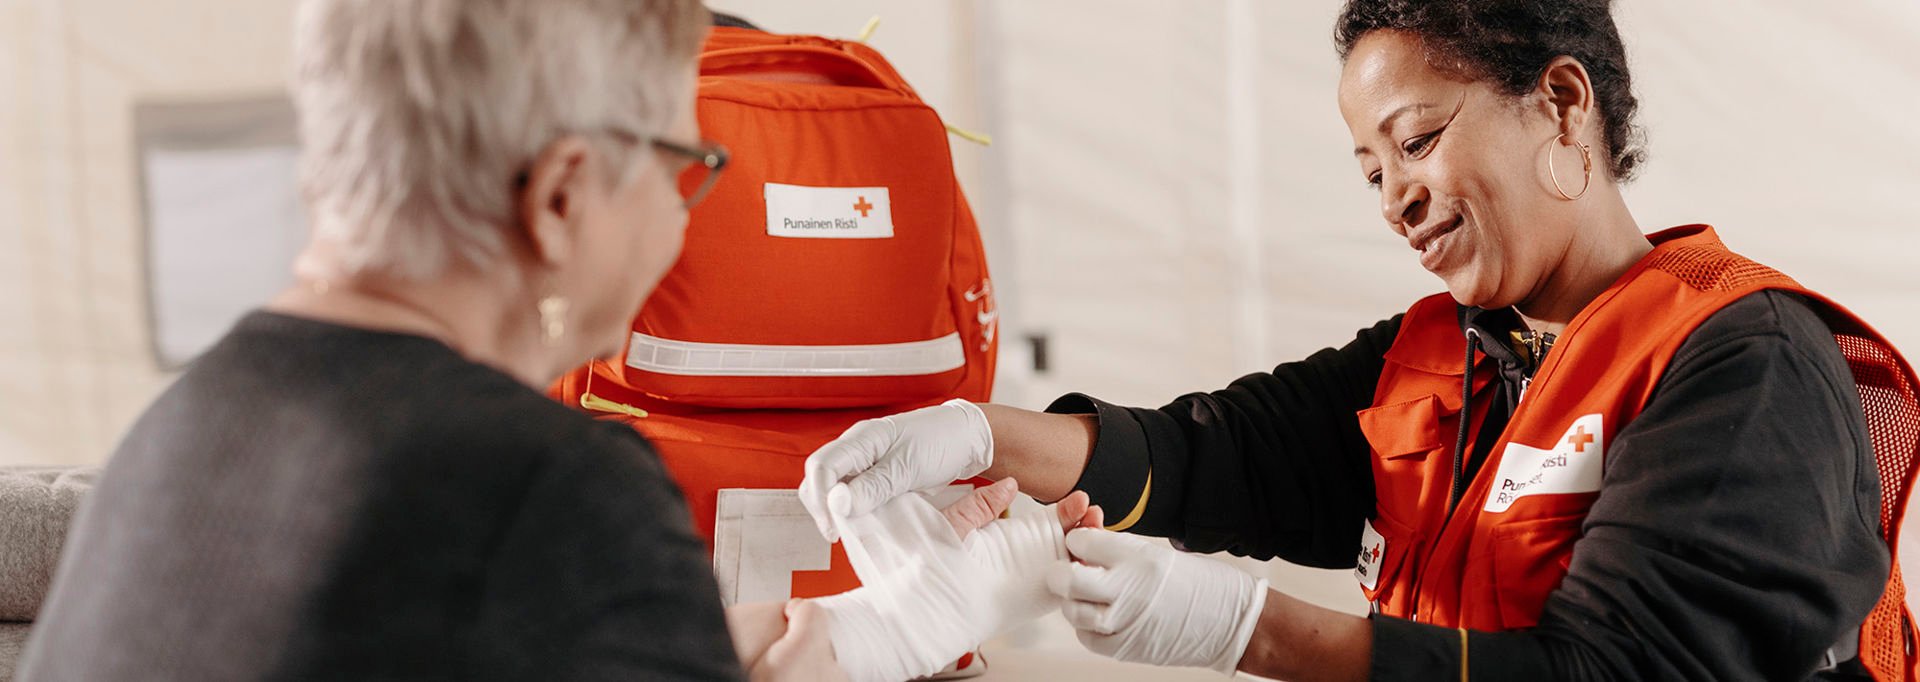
x=928 y=596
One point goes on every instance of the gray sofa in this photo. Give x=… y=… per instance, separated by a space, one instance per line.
x=13 y=640
x=36 y=506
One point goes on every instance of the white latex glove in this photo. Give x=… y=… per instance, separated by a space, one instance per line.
x=926 y=598
x=1141 y=601
x=879 y=459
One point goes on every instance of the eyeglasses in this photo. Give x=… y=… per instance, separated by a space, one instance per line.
x=702 y=171
x=705 y=161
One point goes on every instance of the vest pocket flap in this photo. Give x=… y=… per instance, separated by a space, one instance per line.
x=1409 y=428
x=1530 y=557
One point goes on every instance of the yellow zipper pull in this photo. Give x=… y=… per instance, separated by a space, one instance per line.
x=591 y=402
x=866 y=32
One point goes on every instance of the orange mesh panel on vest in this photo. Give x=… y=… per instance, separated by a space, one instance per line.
x=1709 y=269
x=1893 y=421
x=1883 y=638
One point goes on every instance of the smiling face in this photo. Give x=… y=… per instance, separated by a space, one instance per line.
x=1460 y=168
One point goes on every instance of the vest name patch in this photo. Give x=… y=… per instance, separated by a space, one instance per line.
x=1572 y=465
x=829 y=212
x=1373 y=546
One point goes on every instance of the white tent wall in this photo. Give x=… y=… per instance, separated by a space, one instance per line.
x=1781 y=124
x=1170 y=200
x=76 y=364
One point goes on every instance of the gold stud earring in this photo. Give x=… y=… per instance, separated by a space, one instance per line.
x=553 y=318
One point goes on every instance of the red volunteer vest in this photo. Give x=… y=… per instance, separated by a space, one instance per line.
x=1509 y=541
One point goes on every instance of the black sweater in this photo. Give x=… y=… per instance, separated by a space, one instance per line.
x=314 y=502
x=1736 y=535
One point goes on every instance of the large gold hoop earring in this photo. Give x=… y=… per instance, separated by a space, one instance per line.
x=1586 y=161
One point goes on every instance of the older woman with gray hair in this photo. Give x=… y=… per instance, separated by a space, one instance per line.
x=363 y=480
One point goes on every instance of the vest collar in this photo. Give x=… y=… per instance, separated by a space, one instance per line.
x=1445 y=359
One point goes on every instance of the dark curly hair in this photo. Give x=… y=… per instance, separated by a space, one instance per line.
x=1508 y=44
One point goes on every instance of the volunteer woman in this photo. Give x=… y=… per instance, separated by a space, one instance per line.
x=1660 y=467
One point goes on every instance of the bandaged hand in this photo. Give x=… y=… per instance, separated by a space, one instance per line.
x=1133 y=599
x=878 y=459
x=927 y=596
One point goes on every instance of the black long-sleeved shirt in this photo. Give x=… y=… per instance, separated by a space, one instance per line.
x=317 y=502
x=1735 y=536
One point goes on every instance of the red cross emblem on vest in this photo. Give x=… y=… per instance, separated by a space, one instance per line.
x=862 y=206
x=1580 y=439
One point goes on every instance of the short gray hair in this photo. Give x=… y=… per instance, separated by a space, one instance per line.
x=416 y=115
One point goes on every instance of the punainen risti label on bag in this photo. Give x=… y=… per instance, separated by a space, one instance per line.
x=805 y=212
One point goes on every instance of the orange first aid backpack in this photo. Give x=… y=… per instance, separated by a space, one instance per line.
x=834 y=274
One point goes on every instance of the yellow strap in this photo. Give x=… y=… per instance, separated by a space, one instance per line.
x=1463 y=655
x=1139 y=508
x=978 y=138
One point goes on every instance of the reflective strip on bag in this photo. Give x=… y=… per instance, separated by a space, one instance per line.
x=689 y=358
